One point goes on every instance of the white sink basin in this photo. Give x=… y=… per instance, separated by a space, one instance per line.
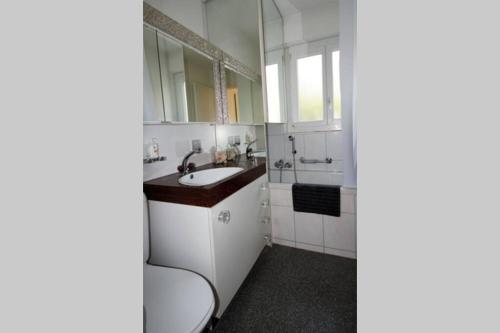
x=209 y=176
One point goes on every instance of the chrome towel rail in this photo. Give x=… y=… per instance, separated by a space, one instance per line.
x=327 y=160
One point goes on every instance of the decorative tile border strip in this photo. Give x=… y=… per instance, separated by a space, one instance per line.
x=225 y=111
x=240 y=67
x=222 y=116
x=164 y=23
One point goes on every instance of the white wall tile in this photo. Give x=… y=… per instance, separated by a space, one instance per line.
x=334 y=145
x=347 y=203
x=274 y=176
x=281 y=186
x=315 y=148
x=314 y=177
x=336 y=178
x=281 y=197
x=174 y=142
x=260 y=135
x=276 y=147
x=340 y=232
x=299 y=147
x=340 y=253
x=224 y=131
x=288 y=176
x=309 y=228
x=336 y=166
x=275 y=128
x=336 y=236
x=282 y=223
x=310 y=247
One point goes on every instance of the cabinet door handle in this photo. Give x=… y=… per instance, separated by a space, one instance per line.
x=224 y=216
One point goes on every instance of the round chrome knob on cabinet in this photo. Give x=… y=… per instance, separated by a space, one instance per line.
x=224 y=216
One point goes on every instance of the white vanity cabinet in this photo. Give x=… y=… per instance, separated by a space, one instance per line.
x=221 y=242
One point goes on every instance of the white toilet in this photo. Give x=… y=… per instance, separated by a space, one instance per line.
x=175 y=300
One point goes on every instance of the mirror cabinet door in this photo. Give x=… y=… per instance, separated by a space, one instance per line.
x=178 y=81
x=200 y=87
x=152 y=94
x=173 y=80
x=257 y=102
x=239 y=98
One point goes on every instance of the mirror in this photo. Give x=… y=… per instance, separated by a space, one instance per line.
x=233 y=26
x=178 y=81
x=152 y=94
x=244 y=99
x=239 y=98
x=274 y=65
x=199 y=87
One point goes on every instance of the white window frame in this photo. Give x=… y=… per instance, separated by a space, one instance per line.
x=323 y=47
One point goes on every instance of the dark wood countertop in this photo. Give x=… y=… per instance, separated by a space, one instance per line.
x=168 y=188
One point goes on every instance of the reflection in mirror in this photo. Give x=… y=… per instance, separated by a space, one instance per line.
x=173 y=80
x=152 y=100
x=239 y=98
x=233 y=26
x=274 y=65
x=199 y=87
x=258 y=111
x=178 y=81
x=302 y=62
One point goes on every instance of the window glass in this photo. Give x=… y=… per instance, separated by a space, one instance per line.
x=310 y=88
x=273 y=94
x=337 y=106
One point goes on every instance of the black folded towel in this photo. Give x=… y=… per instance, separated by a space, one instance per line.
x=314 y=198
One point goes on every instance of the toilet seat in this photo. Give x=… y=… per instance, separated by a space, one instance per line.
x=176 y=300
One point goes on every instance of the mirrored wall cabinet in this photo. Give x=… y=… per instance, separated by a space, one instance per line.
x=187 y=79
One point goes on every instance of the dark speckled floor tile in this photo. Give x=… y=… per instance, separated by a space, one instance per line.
x=292 y=290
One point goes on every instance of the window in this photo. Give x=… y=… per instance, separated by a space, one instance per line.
x=273 y=94
x=337 y=106
x=310 y=88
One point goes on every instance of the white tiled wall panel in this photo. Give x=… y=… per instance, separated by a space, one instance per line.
x=282 y=223
x=348 y=203
x=276 y=147
x=310 y=145
x=334 y=145
x=281 y=198
x=313 y=232
x=175 y=142
x=340 y=232
x=309 y=228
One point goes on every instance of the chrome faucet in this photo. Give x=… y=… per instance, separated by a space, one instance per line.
x=249 y=150
x=184 y=164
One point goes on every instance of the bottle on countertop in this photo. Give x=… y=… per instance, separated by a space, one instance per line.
x=154 y=148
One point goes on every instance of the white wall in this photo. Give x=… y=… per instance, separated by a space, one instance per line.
x=175 y=143
x=189 y=13
x=311 y=145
